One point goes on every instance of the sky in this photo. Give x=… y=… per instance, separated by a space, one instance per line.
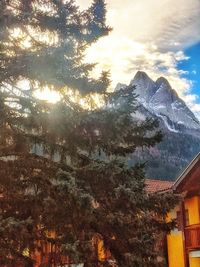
x=160 y=37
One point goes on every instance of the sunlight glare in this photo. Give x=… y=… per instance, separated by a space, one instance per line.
x=48 y=95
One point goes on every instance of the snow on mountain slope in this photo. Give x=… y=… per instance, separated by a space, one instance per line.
x=145 y=87
x=160 y=99
x=180 y=128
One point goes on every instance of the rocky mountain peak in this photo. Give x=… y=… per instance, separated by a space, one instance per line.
x=141 y=75
x=162 y=81
x=145 y=86
x=160 y=99
x=181 y=129
x=120 y=86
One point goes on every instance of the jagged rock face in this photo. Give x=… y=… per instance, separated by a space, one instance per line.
x=120 y=86
x=160 y=99
x=179 y=125
x=145 y=87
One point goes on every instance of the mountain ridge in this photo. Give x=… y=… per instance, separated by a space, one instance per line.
x=159 y=98
x=180 y=127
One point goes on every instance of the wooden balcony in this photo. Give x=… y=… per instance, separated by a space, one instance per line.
x=192 y=236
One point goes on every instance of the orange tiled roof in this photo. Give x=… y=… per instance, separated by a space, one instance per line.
x=153 y=186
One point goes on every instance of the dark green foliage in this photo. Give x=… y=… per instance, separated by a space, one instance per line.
x=63 y=189
x=168 y=159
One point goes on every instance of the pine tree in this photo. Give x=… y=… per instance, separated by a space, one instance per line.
x=63 y=174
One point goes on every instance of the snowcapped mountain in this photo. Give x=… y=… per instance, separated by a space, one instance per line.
x=179 y=125
x=162 y=101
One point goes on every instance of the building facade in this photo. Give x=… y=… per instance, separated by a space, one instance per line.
x=183 y=242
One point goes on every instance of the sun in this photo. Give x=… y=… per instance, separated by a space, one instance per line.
x=48 y=95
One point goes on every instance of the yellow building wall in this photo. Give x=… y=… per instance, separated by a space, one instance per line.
x=194 y=262
x=175 y=249
x=175 y=243
x=175 y=238
x=192 y=205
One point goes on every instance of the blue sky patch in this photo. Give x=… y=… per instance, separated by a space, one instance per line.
x=192 y=65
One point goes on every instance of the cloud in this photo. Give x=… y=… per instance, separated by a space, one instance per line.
x=194 y=72
x=126 y=57
x=168 y=23
x=149 y=36
x=191 y=102
x=196 y=109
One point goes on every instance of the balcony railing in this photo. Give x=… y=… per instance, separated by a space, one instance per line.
x=192 y=236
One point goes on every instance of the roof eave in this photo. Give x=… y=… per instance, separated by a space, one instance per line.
x=185 y=172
